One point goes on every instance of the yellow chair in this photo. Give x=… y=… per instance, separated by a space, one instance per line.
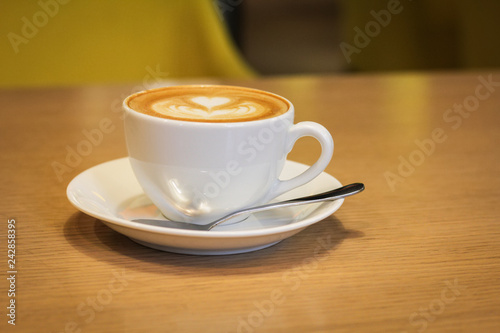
x=63 y=42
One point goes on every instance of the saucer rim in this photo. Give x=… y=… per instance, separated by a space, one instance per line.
x=293 y=226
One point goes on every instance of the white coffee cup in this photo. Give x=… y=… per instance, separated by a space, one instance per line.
x=200 y=171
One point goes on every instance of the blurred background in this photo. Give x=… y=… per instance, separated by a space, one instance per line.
x=73 y=42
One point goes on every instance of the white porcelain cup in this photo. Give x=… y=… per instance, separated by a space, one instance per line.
x=200 y=171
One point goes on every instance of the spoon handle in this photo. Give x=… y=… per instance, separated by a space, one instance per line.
x=335 y=194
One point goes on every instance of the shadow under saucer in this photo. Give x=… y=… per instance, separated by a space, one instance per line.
x=91 y=237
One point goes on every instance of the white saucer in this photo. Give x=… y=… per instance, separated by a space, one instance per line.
x=111 y=193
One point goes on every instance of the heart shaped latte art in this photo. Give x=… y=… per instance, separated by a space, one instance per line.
x=204 y=107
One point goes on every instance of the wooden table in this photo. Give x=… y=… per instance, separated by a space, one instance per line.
x=418 y=251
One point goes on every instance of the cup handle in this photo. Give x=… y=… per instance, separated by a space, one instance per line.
x=297 y=131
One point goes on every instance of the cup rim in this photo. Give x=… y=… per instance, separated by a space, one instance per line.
x=202 y=123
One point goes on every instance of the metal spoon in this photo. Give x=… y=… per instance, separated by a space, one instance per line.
x=331 y=195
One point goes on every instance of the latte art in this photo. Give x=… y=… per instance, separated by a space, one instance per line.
x=202 y=107
x=209 y=103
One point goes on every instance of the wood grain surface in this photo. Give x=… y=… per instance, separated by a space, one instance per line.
x=417 y=251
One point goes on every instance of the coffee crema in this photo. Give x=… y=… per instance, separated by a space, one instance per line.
x=208 y=103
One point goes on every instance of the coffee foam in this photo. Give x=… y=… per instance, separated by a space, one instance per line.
x=208 y=103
